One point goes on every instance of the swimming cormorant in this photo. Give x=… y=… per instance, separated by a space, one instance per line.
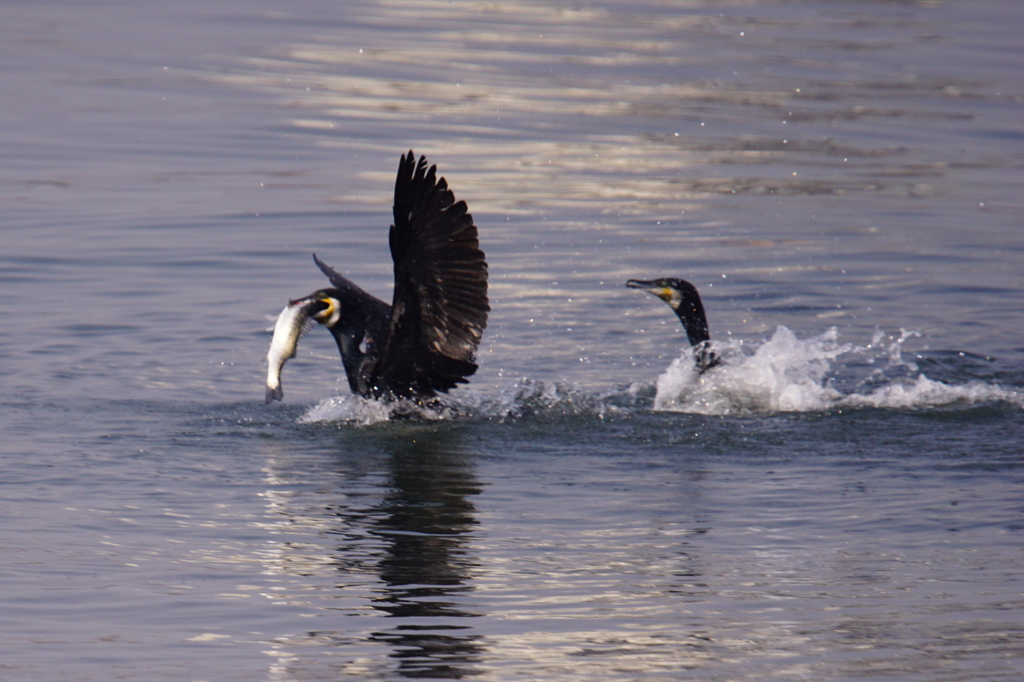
x=683 y=298
x=424 y=342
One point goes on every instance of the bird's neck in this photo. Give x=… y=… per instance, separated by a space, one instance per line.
x=350 y=340
x=694 y=322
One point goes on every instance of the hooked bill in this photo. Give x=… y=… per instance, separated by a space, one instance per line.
x=291 y=324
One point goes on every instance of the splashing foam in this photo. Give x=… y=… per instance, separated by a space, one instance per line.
x=787 y=374
x=923 y=392
x=365 y=411
x=521 y=399
x=532 y=398
x=782 y=374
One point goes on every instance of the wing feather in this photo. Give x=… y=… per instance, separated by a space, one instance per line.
x=440 y=302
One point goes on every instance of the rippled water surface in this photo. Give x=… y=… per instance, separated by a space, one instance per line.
x=841 y=499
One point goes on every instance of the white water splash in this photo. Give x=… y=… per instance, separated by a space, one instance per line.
x=365 y=411
x=781 y=374
x=522 y=398
x=922 y=392
x=787 y=374
x=530 y=397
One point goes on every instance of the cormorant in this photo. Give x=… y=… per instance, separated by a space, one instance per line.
x=683 y=298
x=424 y=342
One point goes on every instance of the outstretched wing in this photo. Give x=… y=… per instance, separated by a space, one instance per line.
x=440 y=303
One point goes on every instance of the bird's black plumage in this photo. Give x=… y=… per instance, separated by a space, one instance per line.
x=424 y=342
x=683 y=298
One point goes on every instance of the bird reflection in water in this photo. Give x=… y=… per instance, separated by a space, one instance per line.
x=374 y=539
x=426 y=520
x=387 y=525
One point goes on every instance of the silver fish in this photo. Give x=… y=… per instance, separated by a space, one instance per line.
x=291 y=324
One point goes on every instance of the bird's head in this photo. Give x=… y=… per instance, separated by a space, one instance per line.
x=322 y=306
x=683 y=298
x=668 y=289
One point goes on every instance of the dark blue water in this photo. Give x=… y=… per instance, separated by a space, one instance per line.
x=840 y=500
